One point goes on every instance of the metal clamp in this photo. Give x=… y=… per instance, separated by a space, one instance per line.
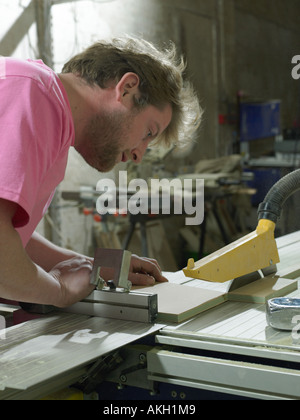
x=116 y=259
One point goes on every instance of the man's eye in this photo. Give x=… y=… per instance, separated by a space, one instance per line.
x=149 y=134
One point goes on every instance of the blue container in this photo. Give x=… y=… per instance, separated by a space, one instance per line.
x=264 y=180
x=259 y=120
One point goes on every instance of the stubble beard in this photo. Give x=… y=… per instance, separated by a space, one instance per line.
x=103 y=140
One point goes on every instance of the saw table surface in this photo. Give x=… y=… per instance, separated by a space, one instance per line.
x=237 y=321
x=249 y=358
x=40 y=355
x=57 y=348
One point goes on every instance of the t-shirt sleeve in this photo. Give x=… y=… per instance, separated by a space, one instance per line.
x=30 y=133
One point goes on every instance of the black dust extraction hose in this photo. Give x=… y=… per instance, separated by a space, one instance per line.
x=271 y=207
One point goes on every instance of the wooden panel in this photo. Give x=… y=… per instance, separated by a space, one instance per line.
x=177 y=303
x=183 y=298
x=263 y=289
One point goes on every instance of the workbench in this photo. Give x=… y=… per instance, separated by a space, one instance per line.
x=229 y=349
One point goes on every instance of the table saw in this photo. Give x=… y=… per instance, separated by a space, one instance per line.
x=228 y=350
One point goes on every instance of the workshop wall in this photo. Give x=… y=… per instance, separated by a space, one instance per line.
x=267 y=37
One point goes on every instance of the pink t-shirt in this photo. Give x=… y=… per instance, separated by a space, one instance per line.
x=36 y=132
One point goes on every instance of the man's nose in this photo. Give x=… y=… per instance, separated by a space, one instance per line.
x=138 y=153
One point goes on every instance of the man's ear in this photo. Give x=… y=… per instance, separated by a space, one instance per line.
x=127 y=88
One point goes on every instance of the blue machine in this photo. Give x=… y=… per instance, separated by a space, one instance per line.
x=259 y=120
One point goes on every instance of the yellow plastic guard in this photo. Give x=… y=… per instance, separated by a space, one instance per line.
x=253 y=252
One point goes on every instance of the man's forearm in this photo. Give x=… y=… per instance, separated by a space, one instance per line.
x=23 y=279
x=20 y=278
x=45 y=253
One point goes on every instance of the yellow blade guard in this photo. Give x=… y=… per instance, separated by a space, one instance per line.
x=253 y=252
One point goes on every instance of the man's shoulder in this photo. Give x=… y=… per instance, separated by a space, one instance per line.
x=35 y=70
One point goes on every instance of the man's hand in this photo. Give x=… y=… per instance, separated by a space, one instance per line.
x=142 y=272
x=145 y=271
x=74 y=278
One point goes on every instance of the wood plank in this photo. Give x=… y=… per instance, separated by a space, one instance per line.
x=263 y=289
x=177 y=303
x=180 y=302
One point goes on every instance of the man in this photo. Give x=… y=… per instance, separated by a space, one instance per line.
x=109 y=103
